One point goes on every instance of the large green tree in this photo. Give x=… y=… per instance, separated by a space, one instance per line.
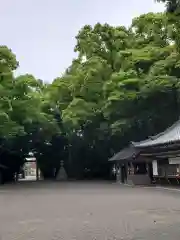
x=24 y=118
x=172 y=6
x=123 y=86
x=108 y=95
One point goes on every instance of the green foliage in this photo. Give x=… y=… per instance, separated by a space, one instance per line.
x=123 y=86
x=172 y=6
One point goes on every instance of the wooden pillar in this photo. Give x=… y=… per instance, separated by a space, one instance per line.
x=147 y=168
x=126 y=173
x=131 y=170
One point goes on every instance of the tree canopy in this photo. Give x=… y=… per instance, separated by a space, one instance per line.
x=123 y=86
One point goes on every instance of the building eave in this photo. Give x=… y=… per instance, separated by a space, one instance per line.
x=125 y=154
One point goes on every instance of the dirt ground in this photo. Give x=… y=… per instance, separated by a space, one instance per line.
x=88 y=211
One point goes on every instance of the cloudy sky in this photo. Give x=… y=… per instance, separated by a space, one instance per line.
x=42 y=32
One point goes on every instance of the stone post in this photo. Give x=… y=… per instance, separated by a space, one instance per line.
x=62 y=175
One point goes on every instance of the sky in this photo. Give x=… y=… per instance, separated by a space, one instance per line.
x=42 y=32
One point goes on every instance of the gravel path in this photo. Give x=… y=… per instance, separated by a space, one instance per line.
x=88 y=211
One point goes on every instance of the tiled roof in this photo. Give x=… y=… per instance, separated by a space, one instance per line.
x=125 y=154
x=170 y=135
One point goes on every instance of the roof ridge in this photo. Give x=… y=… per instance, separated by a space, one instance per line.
x=155 y=137
x=166 y=130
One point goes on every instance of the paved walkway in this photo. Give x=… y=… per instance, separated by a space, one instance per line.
x=86 y=211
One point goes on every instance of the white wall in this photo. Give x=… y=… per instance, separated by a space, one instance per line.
x=155 y=168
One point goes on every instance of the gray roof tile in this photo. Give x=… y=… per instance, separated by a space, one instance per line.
x=170 y=135
x=125 y=154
